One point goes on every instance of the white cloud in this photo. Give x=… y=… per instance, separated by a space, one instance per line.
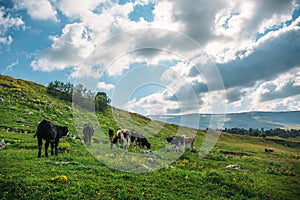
x=77 y=8
x=272 y=55
x=10 y=66
x=7 y=23
x=103 y=85
x=281 y=93
x=70 y=49
x=76 y=43
x=7 y=40
x=154 y=104
x=286 y=85
x=39 y=10
x=226 y=29
x=163 y=16
x=238 y=23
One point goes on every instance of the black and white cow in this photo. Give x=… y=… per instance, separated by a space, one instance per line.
x=269 y=150
x=51 y=133
x=140 y=140
x=88 y=132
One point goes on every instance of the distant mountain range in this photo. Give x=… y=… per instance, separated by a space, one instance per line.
x=255 y=120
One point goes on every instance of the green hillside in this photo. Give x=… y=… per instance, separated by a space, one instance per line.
x=77 y=173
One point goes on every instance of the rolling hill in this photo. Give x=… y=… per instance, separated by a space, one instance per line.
x=81 y=172
x=255 y=120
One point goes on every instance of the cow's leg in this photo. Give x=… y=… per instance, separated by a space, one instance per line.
x=89 y=140
x=192 y=145
x=84 y=139
x=135 y=142
x=52 y=148
x=46 y=148
x=40 y=143
x=56 y=147
x=125 y=145
x=128 y=145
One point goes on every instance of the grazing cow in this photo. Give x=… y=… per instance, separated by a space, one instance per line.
x=122 y=135
x=111 y=134
x=88 y=132
x=139 y=140
x=181 y=140
x=51 y=133
x=269 y=150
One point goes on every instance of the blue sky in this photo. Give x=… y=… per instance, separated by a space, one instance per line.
x=160 y=57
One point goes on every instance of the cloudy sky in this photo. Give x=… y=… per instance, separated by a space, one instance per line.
x=160 y=57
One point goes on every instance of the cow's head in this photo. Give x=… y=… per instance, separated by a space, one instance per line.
x=64 y=131
x=148 y=145
x=169 y=139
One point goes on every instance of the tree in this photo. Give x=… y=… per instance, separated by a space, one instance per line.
x=79 y=95
x=101 y=101
x=60 y=90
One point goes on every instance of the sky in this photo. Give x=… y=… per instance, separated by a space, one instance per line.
x=160 y=57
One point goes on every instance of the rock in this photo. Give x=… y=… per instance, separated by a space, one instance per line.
x=2 y=144
x=234 y=166
x=70 y=109
x=146 y=167
x=150 y=160
x=145 y=151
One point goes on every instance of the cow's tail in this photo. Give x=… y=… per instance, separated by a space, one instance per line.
x=35 y=135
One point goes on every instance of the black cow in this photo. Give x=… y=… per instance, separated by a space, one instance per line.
x=51 y=133
x=88 y=132
x=111 y=134
x=140 y=140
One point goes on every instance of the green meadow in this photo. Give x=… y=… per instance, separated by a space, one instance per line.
x=80 y=172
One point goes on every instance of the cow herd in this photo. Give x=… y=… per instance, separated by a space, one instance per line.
x=52 y=133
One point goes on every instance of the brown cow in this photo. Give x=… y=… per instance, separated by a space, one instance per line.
x=122 y=135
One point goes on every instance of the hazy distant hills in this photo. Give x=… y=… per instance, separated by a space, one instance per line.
x=266 y=120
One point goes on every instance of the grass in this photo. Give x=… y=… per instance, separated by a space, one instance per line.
x=77 y=173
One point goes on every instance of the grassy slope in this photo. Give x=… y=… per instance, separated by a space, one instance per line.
x=23 y=175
